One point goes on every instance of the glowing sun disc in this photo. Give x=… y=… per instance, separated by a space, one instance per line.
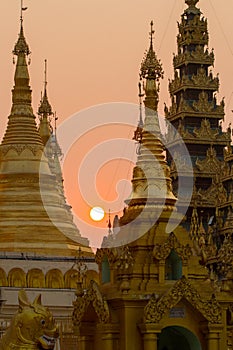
x=97 y=213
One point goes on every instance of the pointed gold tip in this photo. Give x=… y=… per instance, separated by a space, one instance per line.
x=151 y=31
x=21 y=46
x=22 y=9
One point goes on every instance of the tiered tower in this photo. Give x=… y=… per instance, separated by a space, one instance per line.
x=196 y=116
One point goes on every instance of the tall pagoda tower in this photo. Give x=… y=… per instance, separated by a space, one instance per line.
x=196 y=118
x=40 y=245
x=35 y=217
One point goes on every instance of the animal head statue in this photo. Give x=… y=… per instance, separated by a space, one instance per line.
x=33 y=327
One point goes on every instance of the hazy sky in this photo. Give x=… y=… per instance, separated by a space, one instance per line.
x=94 y=49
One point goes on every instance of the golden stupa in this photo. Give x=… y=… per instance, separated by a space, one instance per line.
x=35 y=217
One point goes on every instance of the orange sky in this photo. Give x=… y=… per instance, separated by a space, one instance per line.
x=94 y=49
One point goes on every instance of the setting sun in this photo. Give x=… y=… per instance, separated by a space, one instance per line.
x=97 y=213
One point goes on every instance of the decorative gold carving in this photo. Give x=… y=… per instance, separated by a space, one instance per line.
x=33 y=327
x=91 y=296
x=157 y=308
x=225 y=254
x=18 y=148
x=162 y=251
x=183 y=105
x=212 y=196
x=228 y=224
x=110 y=253
x=205 y=132
x=203 y=104
x=193 y=31
x=200 y=80
x=198 y=56
x=206 y=81
x=210 y=164
x=125 y=259
x=194 y=226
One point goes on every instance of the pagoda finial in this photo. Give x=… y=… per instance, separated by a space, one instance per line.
x=45 y=108
x=21 y=47
x=44 y=111
x=152 y=72
x=151 y=33
x=21 y=13
x=45 y=74
x=151 y=67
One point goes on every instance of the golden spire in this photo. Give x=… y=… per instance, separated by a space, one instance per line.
x=44 y=111
x=21 y=128
x=152 y=71
x=45 y=108
x=39 y=219
x=21 y=46
x=151 y=176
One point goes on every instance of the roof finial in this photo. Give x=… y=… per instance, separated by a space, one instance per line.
x=45 y=74
x=151 y=32
x=151 y=67
x=21 y=12
x=21 y=47
x=45 y=108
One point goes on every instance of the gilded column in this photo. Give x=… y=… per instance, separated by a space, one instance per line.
x=213 y=341
x=150 y=333
x=85 y=336
x=161 y=271
x=109 y=334
x=213 y=336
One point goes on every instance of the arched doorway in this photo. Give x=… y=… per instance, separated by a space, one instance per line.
x=178 y=338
